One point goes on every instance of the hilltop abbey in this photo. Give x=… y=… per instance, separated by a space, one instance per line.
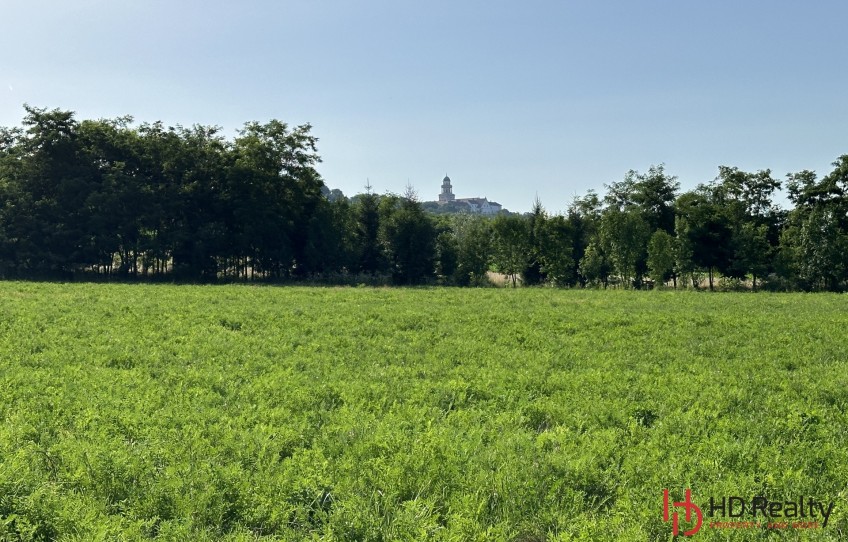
x=475 y=205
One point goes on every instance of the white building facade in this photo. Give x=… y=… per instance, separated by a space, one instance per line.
x=475 y=205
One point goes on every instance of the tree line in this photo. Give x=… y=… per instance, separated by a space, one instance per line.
x=111 y=199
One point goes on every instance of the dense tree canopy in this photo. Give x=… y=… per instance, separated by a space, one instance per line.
x=117 y=200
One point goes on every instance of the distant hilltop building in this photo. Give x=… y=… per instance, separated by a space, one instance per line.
x=475 y=205
x=447 y=191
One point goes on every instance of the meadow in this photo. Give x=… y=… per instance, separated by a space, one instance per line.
x=138 y=412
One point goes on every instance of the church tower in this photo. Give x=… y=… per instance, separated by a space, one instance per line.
x=447 y=191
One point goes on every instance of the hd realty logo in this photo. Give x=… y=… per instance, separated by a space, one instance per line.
x=739 y=513
x=687 y=505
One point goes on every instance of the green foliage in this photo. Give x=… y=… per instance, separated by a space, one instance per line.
x=684 y=257
x=661 y=256
x=583 y=219
x=109 y=199
x=235 y=413
x=511 y=247
x=708 y=235
x=369 y=254
x=754 y=253
x=555 y=252
x=446 y=255
x=465 y=248
x=814 y=244
x=532 y=274
x=409 y=239
x=745 y=203
x=594 y=266
x=818 y=250
x=624 y=236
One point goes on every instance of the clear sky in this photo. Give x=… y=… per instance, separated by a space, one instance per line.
x=511 y=99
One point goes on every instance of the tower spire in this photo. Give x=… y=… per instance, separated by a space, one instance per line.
x=447 y=191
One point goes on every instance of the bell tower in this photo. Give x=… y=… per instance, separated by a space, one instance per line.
x=447 y=191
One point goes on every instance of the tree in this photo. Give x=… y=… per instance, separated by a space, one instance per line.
x=661 y=257
x=409 y=238
x=554 y=250
x=624 y=236
x=752 y=251
x=636 y=206
x=684 y=256
x=330 y=247
x=511 y=254
x=447 y=256
x=583 y=217
x=48 y=232
x=120 y=197
x=473 y=234
x=594 y=265
x=532 y=273
x=820 y=251
x=753 y=190
x=703 y=232
x=744 y=199
x=11 y=196
x=196 y=182
x=654 y=193
x=370 y=257
x=815 y=241
x=274 y=172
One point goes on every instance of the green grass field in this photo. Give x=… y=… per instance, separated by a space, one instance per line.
x=134 y=412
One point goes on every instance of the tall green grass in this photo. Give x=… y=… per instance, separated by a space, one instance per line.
x=135 y=412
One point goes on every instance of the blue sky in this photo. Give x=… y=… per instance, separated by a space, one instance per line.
x=511 y=99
